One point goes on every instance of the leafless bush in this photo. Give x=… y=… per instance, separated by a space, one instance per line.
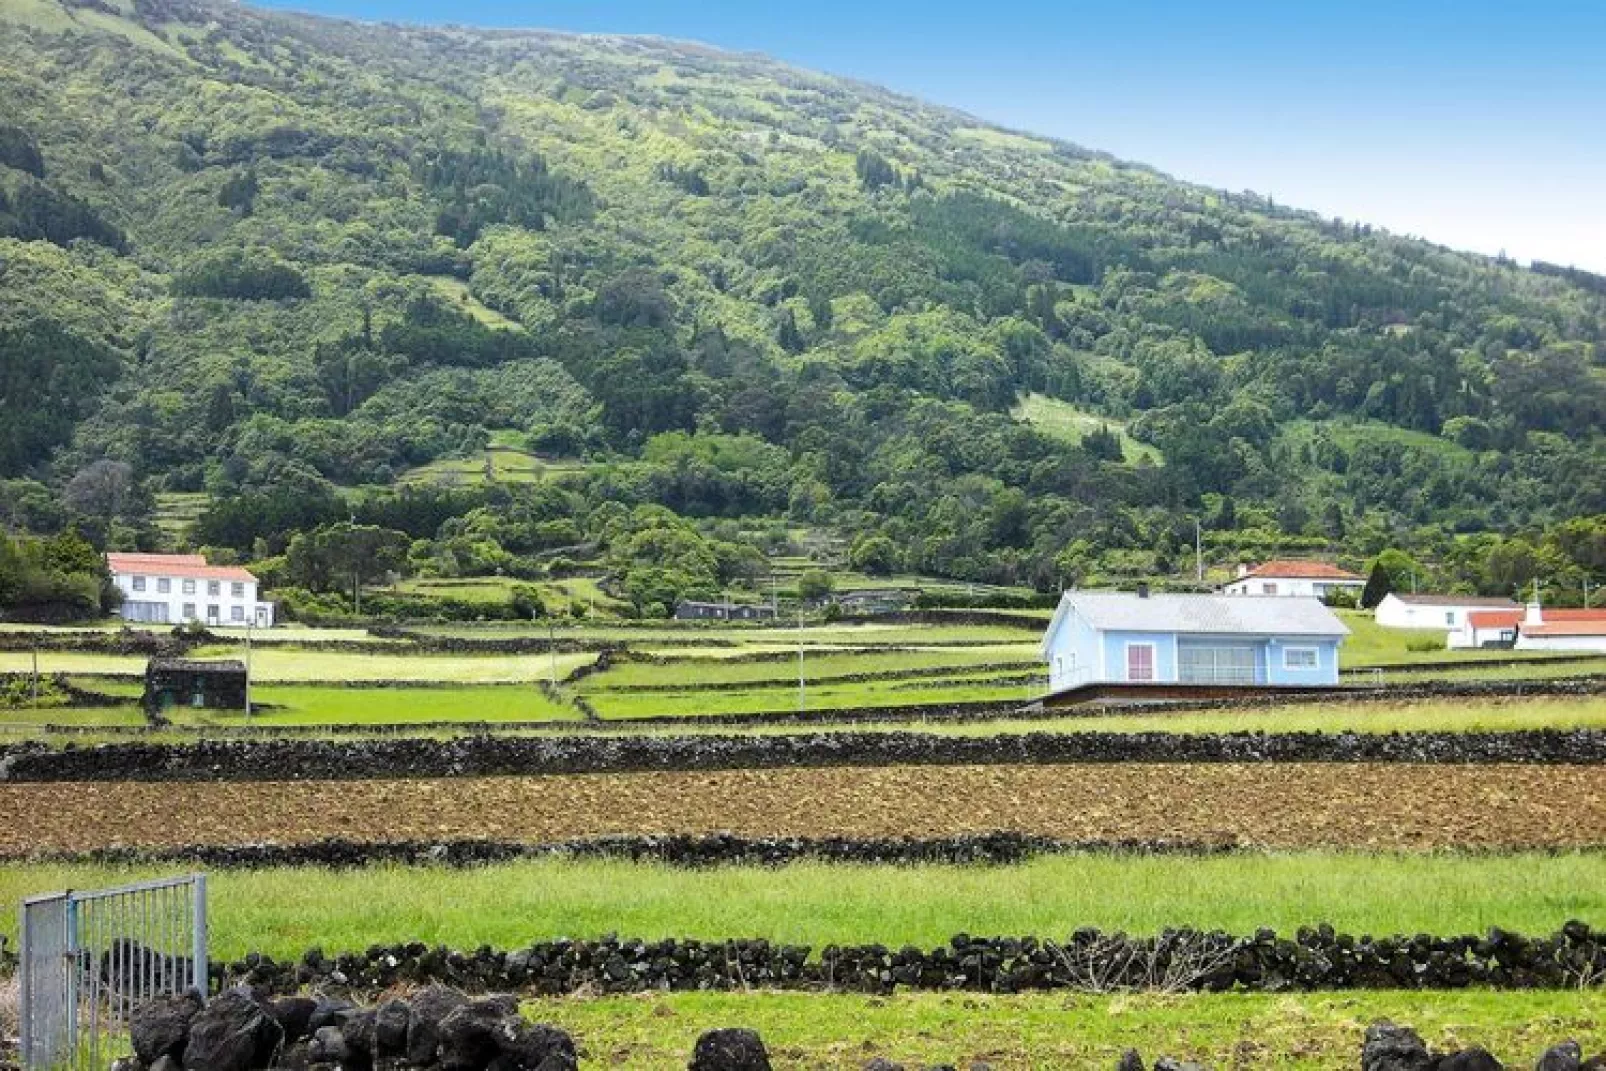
x=1176 y=962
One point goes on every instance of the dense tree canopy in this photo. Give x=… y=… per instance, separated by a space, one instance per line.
x=289 y=263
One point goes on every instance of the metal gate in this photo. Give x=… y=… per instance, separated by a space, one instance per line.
x=90 y=958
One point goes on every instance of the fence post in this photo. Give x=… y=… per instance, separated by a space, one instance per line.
x=199 y=969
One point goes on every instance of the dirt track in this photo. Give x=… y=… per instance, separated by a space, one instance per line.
x=1271 y=805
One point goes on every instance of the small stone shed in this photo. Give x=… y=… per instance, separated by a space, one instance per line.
x=188 y=682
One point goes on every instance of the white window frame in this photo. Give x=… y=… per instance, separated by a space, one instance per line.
x=1268 y=587
x=1315 y=658
x=214 y=588
x=237 y=589
x=1154 y=662
x=236 y=613
x=164 y=586
x=139 y=583
x=188 y=587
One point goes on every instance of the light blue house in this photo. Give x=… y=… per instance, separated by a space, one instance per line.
x=1101 y=637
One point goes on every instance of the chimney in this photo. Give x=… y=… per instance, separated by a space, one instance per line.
x=1243 y=570
x=1534 y=614
x=1143 y=591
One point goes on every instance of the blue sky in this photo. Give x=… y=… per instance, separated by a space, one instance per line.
x=1478 y=124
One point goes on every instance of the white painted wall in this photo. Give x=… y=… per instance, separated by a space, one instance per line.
x=1395 y=612
x=1561 y=643
x=1299 y=587
x=175 y=600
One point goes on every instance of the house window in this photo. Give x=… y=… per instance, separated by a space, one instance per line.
x=164 y=586
x=236 y=613
x=1299 y=658
x=1449 y=618
x=189 y=611
x=189 y=587
x=1140 y=661
x=237 y=589
x=214 y=588
x=139 y=583
x=1269 y=588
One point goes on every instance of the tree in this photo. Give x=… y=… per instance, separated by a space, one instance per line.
x=787 y=334
x=100 y=489
x=815 y=584
x=1378 y=586
x=876 y=555
x=345 y=554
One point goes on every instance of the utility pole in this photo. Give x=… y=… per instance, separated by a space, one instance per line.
x=802 y=685
x=552 y=654
x=1198 y=552
x=248 y=626
x=1586 y=592
x=35 y=691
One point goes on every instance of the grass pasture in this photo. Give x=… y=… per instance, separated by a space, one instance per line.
x=282 y=911
x=1066 y=422
x=1322 y=1032
x=336 y=706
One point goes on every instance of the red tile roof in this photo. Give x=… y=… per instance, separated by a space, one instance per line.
x=1567 y=628
x=1296 y=570
x=1550 y=616
x=189 y=566
x=1494 y=618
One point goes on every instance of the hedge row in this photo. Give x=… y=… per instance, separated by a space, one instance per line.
x=489 y=755
x=1315 y=958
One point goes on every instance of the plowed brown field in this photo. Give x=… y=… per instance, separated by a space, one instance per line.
x=1272 y=805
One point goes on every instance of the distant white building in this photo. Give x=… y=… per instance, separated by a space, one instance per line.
x=1443 y=612
x=179 y=588
x=1486 y=628
x=1308 y=580
x=1561 y=630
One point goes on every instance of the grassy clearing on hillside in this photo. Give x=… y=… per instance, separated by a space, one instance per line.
x=1066 y=422
x=282 y=911
x=665 y=636
x=1322 y=1032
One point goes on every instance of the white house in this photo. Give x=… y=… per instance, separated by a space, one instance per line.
x=1112 y=636
x=1306 y=580
x=1486 y=628
x=1561 y=630
x=177 y=588
x=1443 y=612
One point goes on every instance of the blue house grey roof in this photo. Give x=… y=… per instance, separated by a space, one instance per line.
x=1207 y=615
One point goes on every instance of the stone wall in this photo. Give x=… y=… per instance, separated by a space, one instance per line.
x=493 y=755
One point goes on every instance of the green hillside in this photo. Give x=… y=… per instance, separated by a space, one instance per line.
x=268 y=258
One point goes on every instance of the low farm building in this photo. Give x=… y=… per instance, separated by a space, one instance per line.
x=1296 y=579
x=1446 y=613
x=1107 y=637
x=692 y=610
x=1561 y=630
x=188 y=682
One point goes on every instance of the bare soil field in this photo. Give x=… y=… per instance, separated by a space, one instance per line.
x=1285 y=805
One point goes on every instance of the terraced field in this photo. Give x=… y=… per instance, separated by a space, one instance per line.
x=1281 y=805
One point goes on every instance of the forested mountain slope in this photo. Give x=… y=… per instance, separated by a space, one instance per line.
x=255 y=253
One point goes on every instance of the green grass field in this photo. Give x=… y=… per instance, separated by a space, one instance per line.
x=282 y=911
x=1322 y=1032
x=1066 y=422
x=824 y=665
x=311 y=705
